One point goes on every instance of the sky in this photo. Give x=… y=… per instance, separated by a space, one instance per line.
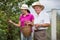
x=49 y=5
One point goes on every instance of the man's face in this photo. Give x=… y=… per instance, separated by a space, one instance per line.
x=37 y=9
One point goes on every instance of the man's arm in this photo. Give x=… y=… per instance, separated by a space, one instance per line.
x=42 y=25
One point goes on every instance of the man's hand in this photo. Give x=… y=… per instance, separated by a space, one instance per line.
x=37 y=25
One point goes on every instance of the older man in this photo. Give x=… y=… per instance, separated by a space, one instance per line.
x=41 y=21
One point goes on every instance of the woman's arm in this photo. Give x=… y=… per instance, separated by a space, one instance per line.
x=15 y=23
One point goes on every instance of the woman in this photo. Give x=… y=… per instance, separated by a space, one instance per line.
x=25 y=18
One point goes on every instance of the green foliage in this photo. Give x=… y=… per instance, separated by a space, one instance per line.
x=30 y=2
x=9 y=10
x=7 y=28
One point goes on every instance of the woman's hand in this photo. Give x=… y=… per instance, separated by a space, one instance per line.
x=27 y=22
x=10 y=21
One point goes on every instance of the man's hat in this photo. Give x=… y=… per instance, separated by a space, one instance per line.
x=37 y=4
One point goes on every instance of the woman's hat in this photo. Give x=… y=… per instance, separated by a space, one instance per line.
x=24 y=6
x=37 y=4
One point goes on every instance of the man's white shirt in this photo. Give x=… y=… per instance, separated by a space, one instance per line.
x=42 y=18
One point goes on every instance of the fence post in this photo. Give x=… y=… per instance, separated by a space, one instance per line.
x=53 y=24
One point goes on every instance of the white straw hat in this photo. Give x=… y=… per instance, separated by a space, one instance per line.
x=24 y=6
x=37 y=4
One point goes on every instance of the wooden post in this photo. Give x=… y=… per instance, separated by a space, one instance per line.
x=53 y=24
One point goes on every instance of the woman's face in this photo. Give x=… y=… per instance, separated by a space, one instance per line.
x=37 y=9
x=24 y=11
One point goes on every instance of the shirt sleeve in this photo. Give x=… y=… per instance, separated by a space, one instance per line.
x=47 y=19
x=32 y=17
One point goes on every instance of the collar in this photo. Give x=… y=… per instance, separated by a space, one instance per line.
x=26 y=15
x=39 y=14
